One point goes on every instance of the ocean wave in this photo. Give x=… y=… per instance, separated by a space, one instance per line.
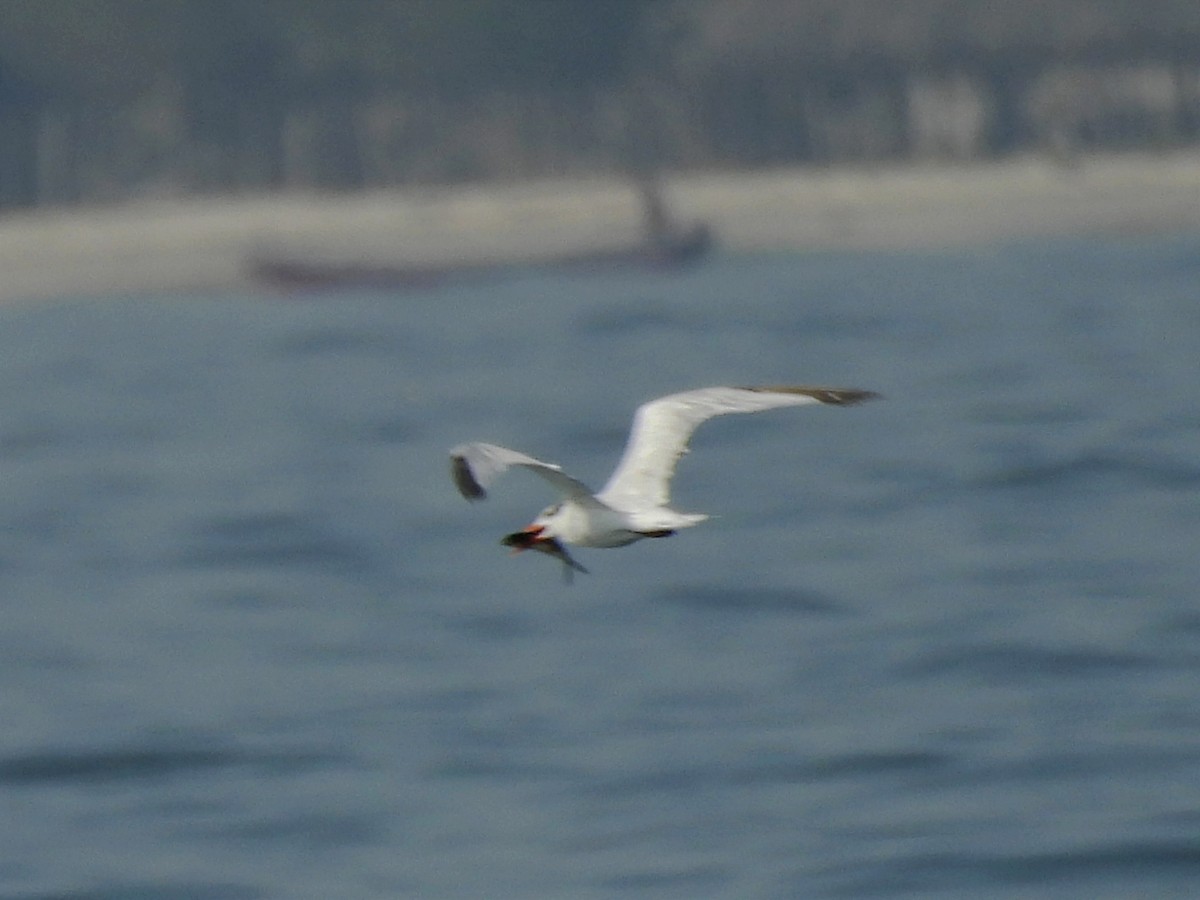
x=1021 y=661
x=136 y=762
x=755 y=599
x=776 y=771
x=1135 y=860
x=1094 y=467
x=270 y=540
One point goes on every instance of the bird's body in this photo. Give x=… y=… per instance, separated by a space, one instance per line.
x=634 y=504
x=607 y=526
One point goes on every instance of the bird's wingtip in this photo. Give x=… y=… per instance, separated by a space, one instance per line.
x=845 y=396
x=464 y=479
x=827 y=395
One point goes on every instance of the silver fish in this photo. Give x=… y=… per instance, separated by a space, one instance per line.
x=529 y=540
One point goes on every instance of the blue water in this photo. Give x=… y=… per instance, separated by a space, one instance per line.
x=944 y=645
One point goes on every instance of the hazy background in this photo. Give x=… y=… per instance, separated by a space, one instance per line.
x=940 y=646
x=116 y=98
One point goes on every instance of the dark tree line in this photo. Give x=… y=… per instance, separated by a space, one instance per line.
x=116 y=98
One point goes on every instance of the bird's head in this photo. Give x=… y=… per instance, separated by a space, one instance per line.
x=540 y=531
x=540 y=535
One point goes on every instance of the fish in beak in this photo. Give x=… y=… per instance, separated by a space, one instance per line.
x=530 y=538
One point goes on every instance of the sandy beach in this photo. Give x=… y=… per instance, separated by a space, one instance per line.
x=204 y=245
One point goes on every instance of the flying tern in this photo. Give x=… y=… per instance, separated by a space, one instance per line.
x=634 y=504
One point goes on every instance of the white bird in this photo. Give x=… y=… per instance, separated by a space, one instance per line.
x=634 y=503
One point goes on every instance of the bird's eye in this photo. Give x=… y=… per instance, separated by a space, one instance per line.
x=551 y=509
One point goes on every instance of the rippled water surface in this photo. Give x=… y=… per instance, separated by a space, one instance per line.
x=943 y=645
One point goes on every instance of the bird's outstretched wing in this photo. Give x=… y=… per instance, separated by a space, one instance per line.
x=474 y=466
x=662 y=428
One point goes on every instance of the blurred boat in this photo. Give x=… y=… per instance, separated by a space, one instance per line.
x=665 y=245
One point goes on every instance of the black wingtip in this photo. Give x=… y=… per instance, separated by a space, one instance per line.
x=843 y=397
x=826 y=395
x=464 y=479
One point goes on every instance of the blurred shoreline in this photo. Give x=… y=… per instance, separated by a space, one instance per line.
x=200 y=245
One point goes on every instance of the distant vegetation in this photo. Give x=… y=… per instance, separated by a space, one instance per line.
x=107 y=99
